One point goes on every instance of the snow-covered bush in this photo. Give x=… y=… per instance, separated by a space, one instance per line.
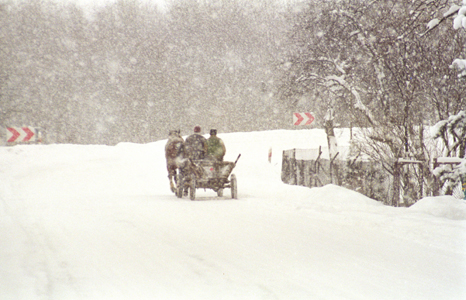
x=452 y=131
x=450 y=176
x=453 y=134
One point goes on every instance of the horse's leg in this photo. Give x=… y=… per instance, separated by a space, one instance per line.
x=171 y=174
x=184 y=172
x=172 y=185
x=176 y=173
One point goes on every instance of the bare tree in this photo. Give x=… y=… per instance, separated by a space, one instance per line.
x=369 y=61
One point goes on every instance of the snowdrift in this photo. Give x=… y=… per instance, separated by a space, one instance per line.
x=100 y=222
x=442 y=206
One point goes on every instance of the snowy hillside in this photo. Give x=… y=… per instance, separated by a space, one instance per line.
x=99 y=222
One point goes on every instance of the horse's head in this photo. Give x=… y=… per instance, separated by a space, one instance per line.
x=174 y=133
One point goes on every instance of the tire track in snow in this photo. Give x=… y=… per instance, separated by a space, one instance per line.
x=42 y=263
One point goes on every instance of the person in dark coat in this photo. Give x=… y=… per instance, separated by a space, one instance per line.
x=196 y=145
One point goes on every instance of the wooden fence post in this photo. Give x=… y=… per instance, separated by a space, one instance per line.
x=285 y=168
x=300 y=172
x=293 y=169
x=332 y=167
x=396 y=184
x=436 y=185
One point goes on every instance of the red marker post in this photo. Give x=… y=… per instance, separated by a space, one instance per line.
x=304 y=118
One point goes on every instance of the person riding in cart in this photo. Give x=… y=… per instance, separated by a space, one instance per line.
x=196 y=145
x=202 y=171
x=215 y=147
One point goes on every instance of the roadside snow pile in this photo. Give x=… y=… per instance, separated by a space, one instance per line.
x=338 y=194
x=442 y=206
x=338 y=198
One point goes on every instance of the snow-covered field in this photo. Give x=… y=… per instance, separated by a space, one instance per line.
x=99 y=222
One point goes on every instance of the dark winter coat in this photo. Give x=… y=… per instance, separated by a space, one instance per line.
x=196 y=146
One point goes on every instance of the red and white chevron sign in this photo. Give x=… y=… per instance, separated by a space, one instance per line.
x=302 y=118
x=20 y=134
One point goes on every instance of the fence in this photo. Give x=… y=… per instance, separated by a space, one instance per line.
x=411 y=179
x=459 y=191
x=312 y=170
x=411 y=182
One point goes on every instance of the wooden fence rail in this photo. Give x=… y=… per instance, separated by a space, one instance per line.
x=409 y=182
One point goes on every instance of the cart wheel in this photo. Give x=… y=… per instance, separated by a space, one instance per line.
x=220 y=192
x=179 y=186
x=234 y=187
x=192 y=187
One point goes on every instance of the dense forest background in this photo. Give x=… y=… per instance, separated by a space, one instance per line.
x=128 y=71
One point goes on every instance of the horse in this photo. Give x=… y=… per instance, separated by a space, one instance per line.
x=174 y=154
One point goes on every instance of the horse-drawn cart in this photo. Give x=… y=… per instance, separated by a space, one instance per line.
x=207 y=174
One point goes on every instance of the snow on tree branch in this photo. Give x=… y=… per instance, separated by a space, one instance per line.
x=460 y=22
x=358 y=104
x=448 y=14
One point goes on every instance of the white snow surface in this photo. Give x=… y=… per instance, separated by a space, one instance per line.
x=99 y=222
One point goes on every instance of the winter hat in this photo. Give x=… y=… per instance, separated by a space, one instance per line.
x=197 y=129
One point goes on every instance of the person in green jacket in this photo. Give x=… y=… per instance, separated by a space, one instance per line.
x=215 y=147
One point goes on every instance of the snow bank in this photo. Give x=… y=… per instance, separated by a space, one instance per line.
x=337 y=199
x=442 y=206
x=100 y=222
x=337 y=194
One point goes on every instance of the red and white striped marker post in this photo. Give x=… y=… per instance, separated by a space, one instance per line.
x=305 y=118
x=20 y=134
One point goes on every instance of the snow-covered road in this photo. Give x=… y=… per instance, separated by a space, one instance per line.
x=99 y=222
